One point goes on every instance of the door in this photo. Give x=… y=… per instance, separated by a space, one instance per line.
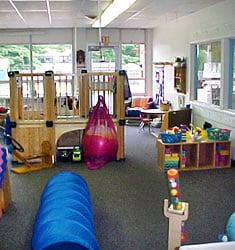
x=103 y=58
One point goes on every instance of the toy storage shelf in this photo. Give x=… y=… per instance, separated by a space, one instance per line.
x=190 y=155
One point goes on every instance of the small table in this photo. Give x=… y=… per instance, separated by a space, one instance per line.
x=150 y=112
x=154 y=112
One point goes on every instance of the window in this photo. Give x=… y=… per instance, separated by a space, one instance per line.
x=57 y=58
x=214 y=74
x=208 y=64
x=133 y=61
x=44 y=57
x=103 y=59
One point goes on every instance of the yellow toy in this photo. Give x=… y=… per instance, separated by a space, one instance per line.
x=33 y=162
x=197 y=133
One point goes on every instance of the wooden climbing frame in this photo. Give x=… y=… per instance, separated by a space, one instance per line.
x=45 y=106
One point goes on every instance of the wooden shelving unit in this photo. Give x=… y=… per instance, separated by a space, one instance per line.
x=160 y=69
x=180 y=79
x=197 y=155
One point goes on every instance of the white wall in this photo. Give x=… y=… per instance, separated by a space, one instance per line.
x=174 y=40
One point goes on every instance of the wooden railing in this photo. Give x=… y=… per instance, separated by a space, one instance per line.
x=40 y=103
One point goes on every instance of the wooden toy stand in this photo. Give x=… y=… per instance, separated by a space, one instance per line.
x=175 y=223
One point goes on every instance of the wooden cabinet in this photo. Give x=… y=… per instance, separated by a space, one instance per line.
x=180 y=79
x=194 y=155
x=176 y=118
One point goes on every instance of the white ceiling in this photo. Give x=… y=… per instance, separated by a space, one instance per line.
x=81 y=13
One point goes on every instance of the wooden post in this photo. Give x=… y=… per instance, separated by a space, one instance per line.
x=120 y=111
x=5 y=194
x=49 y=96
x=14 y=96
x=84 y=95
x=175 y=223
x=49 y=108
x=6 y=191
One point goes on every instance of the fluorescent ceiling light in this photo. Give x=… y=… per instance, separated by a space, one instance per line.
x=116 y=8
x=48 y=10
x=17 y=11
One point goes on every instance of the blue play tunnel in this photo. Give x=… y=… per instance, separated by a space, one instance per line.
x=64 y=219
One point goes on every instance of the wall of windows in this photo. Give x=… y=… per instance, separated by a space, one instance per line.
x=43 y=57
x=26 y=50
x=57 y=58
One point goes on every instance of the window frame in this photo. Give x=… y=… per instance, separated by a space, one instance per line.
x=68 y=65
x=227 y=71
x=143 y=74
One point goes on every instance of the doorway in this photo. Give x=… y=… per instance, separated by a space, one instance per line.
x=103 y=58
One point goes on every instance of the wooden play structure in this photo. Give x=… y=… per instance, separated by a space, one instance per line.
x=45 y=106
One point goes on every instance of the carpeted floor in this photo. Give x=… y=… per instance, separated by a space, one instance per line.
x=127 y=200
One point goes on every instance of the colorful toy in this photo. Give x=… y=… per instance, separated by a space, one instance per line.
x=230 y=230
x=183 y=232
x=77 y=154
x=218 y=134
x=222 y=155
x=171 y=135
x=171 y=159
x=230 y=227
x=183 y=158
x=174 y=187
x=176 y=211
x=3 y=164
x=3 y=167
x=195 y=133
x=183 y=129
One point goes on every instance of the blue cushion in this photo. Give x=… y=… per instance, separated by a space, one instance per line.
x=133 y=112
